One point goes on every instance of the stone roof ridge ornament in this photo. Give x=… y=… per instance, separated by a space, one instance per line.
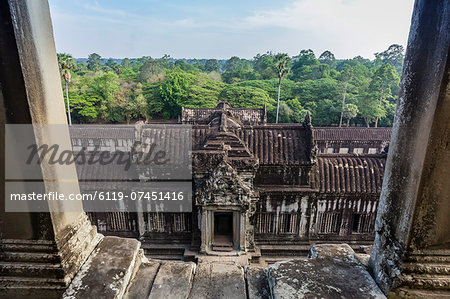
x=311 y=145
x=264 y=113
x=223 y=105
x=225 y=149
x=223 y=120
x=307 y=121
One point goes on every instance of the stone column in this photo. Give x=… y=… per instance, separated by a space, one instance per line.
x=204 y=231
x=141 y=224
x=41 y=251
x=249 y=233
x=412 y=244
x=242 y=230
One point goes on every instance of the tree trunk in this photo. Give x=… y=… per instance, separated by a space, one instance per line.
x=379 y=105
x=278 y=99
x=343 y=104
x=348 y=122
x=68 y=107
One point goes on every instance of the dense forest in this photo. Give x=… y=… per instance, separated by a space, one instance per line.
x=350 y=92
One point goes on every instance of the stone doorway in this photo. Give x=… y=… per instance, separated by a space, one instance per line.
x=223 y=231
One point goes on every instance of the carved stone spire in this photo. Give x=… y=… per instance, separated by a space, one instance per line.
x=264 y=120
x=223 y=120
x=307 y=121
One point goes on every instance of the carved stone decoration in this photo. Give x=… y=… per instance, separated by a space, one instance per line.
x=224 y=187
x=249 y=236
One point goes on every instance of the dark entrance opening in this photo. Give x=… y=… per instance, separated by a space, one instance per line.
x=223 y=231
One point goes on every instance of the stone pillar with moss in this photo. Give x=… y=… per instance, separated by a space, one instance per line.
x=40 y=251
x=411 y=254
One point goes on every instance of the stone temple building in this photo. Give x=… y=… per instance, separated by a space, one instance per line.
x=54 y=254
x=258 y=188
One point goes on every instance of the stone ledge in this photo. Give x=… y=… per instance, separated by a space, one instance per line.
x=141 y=284
x=332 y=271
x=213 y=280
x=256 y=278
x=107 y=271
x=173 y=280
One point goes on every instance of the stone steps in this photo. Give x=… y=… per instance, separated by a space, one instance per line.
x=39 y=257
x=222 y=243
x=31 y=269
x=31 y=282
x=420 y=293
x=427 y=268
x=434 y=256
x=165 y=257
x=164 y=251
x=426 y=281
x=34 y=268
x=283 y=250
x=223 y=248
x=24 y=247
x=241 y=260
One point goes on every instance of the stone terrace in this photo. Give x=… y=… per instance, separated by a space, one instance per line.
x=118 y=269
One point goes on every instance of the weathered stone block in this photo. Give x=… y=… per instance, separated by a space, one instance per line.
x=218 y=281
x=173 y=281
x=141 y=284
x=332 y=271
x=107 y=271
x=257 y=285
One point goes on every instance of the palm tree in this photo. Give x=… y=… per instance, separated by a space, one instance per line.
x=282 y=61
x=66 y=63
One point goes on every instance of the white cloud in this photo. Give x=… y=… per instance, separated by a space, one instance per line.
x=358 y=23
x=345 y=27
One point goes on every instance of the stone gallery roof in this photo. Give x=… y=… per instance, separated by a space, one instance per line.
x=271 y=144
x=102 y=131
x=110 y=176
x=175 y=140
x=351 y=134
x=350 y=173
x=203 y=116
x=243 y=133
x=274 y=144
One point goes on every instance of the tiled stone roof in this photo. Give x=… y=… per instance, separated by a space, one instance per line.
x=271 y=144
x=351 y=134
x=204 y=116
x=102 y=131
x=106 y=176
x=277 y=144
x=350 y=173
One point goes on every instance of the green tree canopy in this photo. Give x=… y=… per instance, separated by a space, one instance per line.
x=394 y=56
x=246 y=97
x=94 y=62
x=355 y=91
x=211 y=65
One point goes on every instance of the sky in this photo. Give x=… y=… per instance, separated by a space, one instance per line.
x=224 y=28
